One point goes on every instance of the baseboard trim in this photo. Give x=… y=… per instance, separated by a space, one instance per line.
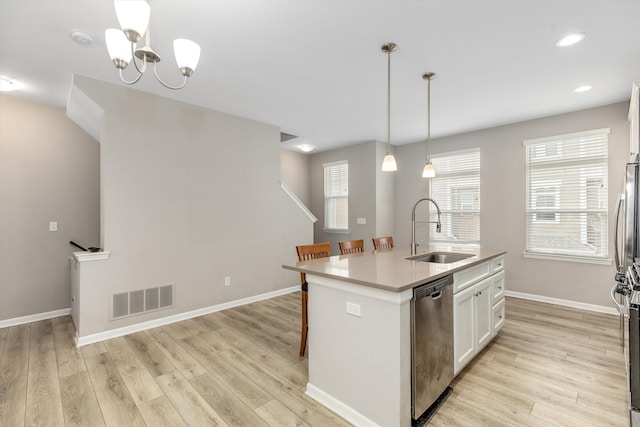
x=34 y=317
x=563 y=302
x=138 y=327
x=339 y=407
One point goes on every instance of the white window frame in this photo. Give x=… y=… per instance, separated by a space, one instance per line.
x=450 y=212
x=570 y=170
x=338 y=199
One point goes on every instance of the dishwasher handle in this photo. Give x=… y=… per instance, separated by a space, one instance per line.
x=433 y=289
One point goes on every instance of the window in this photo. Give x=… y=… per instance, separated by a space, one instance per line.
x=566 y=190
x=336 y=196
x=456 y=189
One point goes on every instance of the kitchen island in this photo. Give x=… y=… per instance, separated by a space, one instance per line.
x=359 y=344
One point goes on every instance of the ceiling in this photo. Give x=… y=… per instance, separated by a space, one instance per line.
x=316 y=69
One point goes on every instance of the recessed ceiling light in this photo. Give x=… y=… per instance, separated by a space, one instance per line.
x=7 y=85
x=306 y=147
x=82 y=38
x=583 y=88
x=570 y=39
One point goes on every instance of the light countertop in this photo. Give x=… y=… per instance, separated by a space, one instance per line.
x=388 y=269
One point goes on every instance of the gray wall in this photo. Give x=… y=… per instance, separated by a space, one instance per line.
x=362 y=160
x=294 y=171
x=49 y=171
x=502 y=158
x=189 y=196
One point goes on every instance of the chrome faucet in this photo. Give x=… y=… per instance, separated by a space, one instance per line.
x=414 y=245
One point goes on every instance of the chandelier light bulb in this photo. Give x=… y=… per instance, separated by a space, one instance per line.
x=429 y=171
x=389 y=163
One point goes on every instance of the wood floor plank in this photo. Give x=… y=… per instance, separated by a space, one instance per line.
x=93 y=349
x=43 y=383
x=188 y=366
x=301 y=405
x=45 y=413
x=116 y=404
x=161 y=413
x=79 y=403
x=3 y=339
x=192 y=407
x=246 y=389
x=226 y=404
x=151 y=356
x=276 y=414
x=69 y=358
x=14 y=366
x=137 y=378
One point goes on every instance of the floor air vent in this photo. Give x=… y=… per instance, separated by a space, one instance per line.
x=142 y=301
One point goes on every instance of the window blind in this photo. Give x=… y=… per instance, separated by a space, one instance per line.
x=566 y=191
x=336 y=196
x=456 y=189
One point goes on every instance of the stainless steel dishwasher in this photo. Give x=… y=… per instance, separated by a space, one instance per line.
x=431 y=343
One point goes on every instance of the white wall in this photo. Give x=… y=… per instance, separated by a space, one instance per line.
x=49 y=171
x=189 y=196
x=502 y=178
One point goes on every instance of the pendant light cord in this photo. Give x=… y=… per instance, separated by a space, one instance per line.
x=389 y=101
x=428 y=116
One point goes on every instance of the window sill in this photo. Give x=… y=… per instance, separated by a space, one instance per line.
x=335 y=230
x=568 y=258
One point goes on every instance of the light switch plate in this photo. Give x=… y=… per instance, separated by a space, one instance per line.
x=354 y=309
x=361 y=221
x=53 y=226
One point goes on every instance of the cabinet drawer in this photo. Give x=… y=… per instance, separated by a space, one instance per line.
x=497 y=286
x=465 y=278
x=498 y=317
x=497 y=264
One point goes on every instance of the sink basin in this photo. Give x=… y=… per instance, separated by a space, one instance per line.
x=440 y=257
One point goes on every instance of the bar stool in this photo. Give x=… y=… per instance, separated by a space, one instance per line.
x=351 y=247
x=305 y=253
x=382 y=242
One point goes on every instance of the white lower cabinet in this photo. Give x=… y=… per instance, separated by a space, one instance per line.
x=478 y=312
x=472 y=322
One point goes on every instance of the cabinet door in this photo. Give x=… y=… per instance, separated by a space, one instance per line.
x=463 y=328
x=483 y=305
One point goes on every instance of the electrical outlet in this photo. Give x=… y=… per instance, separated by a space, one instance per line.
x=354 y=309
x=53 y=226
x=227 y=281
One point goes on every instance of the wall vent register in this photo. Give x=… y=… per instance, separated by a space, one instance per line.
x=141 y=301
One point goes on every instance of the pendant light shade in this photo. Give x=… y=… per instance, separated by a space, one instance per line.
x=187 y=55
x=389 y=162
x=429 y=171
x=118 y=46
x=133 y=16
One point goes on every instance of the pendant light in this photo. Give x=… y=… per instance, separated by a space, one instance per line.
x=429 y=171
x=389 y=162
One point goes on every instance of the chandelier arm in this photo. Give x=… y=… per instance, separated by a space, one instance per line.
x=134 y=81
x=155 y=71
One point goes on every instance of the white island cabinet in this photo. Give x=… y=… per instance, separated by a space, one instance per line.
x=478 y=309
x=359 y=344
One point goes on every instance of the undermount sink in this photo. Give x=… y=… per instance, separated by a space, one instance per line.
x=440 y=257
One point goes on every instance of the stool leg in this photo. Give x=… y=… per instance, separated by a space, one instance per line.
x=305 y=326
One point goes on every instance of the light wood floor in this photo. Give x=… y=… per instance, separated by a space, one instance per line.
x=549 y=366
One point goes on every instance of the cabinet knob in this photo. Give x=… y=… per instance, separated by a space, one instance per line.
x=499 y=287
x=500 y=316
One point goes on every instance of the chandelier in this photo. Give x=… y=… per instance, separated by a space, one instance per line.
x=133 y=16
